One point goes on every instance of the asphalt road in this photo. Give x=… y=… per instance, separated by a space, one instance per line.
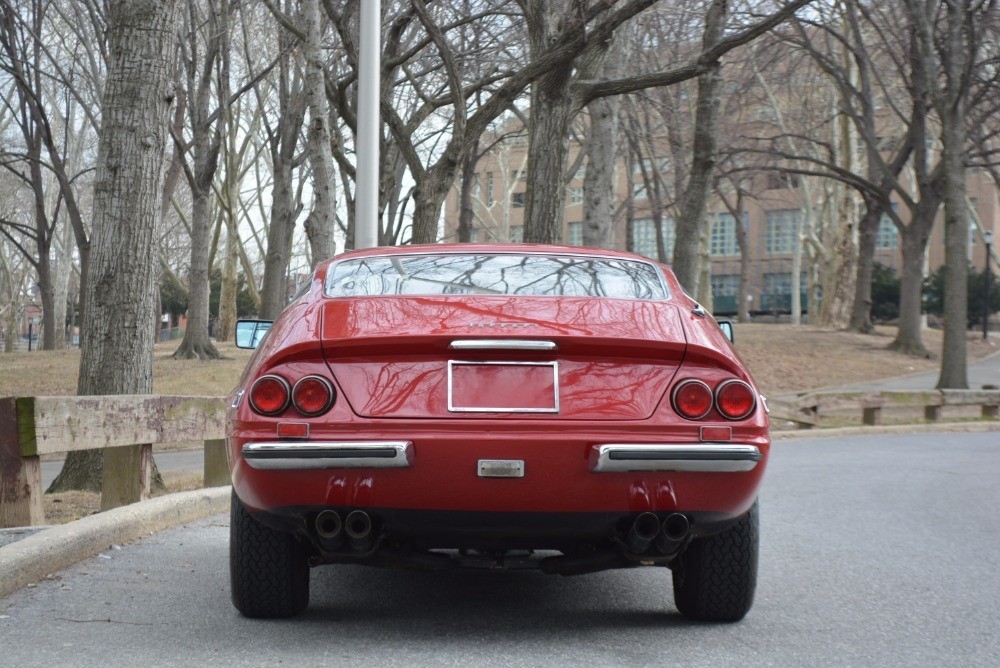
x=876 y=551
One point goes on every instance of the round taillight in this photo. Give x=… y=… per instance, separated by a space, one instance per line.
x=312 y=395
x=692 y=399
x=269 y=395
x=735 y=399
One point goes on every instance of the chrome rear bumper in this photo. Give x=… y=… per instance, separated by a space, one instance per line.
x=708 y=457
x=283 y=455
x=608 y=458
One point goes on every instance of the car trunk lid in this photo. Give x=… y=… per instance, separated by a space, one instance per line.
x=488 y=356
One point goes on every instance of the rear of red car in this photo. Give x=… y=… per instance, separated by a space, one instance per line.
x=516 y=407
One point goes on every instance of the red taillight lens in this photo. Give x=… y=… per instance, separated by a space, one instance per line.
x=312 y=395
x=269 y=395
x=735 y=399
x=692 y=399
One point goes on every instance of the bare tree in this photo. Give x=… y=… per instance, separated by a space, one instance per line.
x=951 y=39
x=691 y=223
x=117 y=353
x=207 y=129
x=557 y=96
x=282 y=128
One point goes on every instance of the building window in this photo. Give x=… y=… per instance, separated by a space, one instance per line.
x=489 y=188
x=574 y=234
x=781 y=227
x=639 y=190
x=726 y=285
x=517 y=200
x=778 y=284
x=887 y=236
x=725 y=293
x=644 y=237
x=575 y=195
x=723 y=240
x=517 y=234
x=474 y=235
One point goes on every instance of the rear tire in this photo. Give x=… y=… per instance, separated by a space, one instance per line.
x=717 y=575
x=268 y=569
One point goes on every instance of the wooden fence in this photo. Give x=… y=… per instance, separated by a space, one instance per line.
x=828 y=409
x=126 y=426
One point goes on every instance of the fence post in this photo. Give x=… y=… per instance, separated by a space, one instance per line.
x=216 y=467
x=127 y=473
x=871 y=410
x=20 y=471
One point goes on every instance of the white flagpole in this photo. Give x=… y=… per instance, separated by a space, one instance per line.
x=369 y=125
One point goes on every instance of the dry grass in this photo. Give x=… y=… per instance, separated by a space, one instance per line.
x=68 y=506
x=54 y=373
x=785 y=359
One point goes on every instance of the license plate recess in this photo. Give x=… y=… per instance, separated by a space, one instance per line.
x=503 y=387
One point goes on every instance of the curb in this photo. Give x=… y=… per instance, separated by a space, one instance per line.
x=32 y=558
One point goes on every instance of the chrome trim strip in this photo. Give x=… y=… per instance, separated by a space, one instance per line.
x=501 y=344
x=289 y=455
x=620 y=457
x=484 y=409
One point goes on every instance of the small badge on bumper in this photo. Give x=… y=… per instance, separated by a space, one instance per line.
x=501 y=468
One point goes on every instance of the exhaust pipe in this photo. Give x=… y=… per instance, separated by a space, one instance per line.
x=673 y=533
x=329 y=530
x=642 y=532
x=359 y=530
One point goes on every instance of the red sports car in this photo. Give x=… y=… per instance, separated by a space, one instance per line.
x=495 y=406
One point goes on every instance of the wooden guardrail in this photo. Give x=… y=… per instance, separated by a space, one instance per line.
x=126 y=426
x=811 y=409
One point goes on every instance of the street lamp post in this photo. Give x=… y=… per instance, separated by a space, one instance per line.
x=988 y=238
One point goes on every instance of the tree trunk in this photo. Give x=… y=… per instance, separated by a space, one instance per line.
x=602 y=143
x=908 y=338
x=283 y=141
x=742 y=305
x=227 y=295
x=951 y=104
x=321 y=220
x=207 y=143
x=552 y=109
x=861 y=312
x=466 y=213
x=196 y=343
x=273 y=292
x=117 y=355
x=954 y=374
x=694 y=201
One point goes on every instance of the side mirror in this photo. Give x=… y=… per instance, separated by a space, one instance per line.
x=727 y=328
x=250 y=332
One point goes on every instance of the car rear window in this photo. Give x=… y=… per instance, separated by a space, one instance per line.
x=499 y=274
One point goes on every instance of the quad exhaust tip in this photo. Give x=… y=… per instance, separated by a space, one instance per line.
x=359 y=529
x=674 y=532
x=329 y=529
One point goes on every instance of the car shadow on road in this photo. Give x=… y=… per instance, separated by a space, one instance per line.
x=512 y=603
